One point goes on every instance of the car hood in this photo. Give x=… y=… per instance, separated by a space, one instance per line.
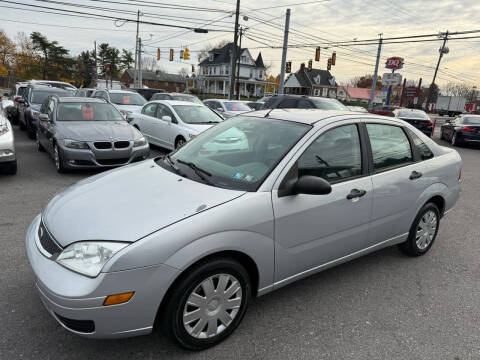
x=128 y=203
x=95 y=130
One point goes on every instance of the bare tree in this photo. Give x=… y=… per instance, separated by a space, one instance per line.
x=149 y=63
x=457 y=89
x=203 y=53
x=183 y=71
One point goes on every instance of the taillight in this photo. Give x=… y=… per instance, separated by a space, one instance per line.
x=16 y=98
x=468 y=129
x=429 y=123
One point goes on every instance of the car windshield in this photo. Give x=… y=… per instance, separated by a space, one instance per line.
x=474 y=120
x=39 y=96
x=413 y=115
x=88 y=111
x=127 y=98
x=188 y=98
x=236 y=106
x=21 y=90
x=330 y=104
x=196 y=114
x=238 y=153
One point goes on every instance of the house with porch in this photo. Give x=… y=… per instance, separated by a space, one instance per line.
x=313 y=82
x=214 y=72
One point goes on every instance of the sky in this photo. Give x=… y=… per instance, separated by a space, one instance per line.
x=311 y=22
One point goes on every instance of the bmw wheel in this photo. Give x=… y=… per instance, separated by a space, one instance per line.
x=207 y=304
x=57 y=157
x=180 y=142
x=423 y=231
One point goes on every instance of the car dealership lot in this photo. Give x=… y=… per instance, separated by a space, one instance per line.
x=384 y=305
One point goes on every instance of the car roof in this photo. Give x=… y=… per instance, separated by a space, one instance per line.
x=119 y=91
x=77 y=99
x=176 y=102
x=304 y=116
x=470 y=115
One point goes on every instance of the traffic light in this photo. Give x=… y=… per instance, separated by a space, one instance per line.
x=288 y=67
x=329 y=64
x=334 y=58
x=317 y=54
x=186 y=54
x=158 y=54
x=310 y=65
x=171 y=54
x=193 y=67
x=181 y=54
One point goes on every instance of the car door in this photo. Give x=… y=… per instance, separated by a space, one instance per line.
x=47 y=128
x=167 y=129
x=313 y=231
x=397 y=181
x=146 y=120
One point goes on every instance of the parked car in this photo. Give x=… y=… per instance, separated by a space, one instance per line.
x=16 y=94
x=227 y=108
x=56 y=84
x=8 y=158
x=170 y=124
x=385 y=110
x=147 y=93
x=84 y=133
x=208 y=232
x=177 y=97
x=29 y=106
x=461 y=130
x=303 y=102
x=255 y=105
x=417 y=118
x=126 y=101
x=84 y=92
x=357 y=109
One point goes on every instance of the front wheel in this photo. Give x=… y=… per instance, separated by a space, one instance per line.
x=423 y=231
x=455 y=139
x=180 y=142
x=208 y=304
x=57 y=158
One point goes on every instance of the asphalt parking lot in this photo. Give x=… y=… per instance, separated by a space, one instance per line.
x=382 y=306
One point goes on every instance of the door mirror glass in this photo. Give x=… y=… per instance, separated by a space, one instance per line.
x=220 y=109
x=167 y=118
x=43 y=117
x=312 y=185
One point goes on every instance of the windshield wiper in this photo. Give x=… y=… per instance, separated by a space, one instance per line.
x=173 y=166
x=199 y=171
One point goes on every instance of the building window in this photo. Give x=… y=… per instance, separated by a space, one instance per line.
x=324 y=92
x=243 y=59
x=260 y=74
x=251 y=74
x=166 y=83
x=220 y=85
x=210 y=58
x=316 y=92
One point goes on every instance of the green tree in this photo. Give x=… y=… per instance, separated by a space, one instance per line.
x=85 y=69
x=126 y=59
x=109 y=55
x=55 y=62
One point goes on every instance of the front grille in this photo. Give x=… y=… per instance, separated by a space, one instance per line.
x=102 y=145
x=84 y=163
x=83 y=326
x=121 y=144
x=47 y=242
x=112 y=161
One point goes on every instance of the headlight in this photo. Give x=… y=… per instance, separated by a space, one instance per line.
x=140 y=142
x=73 y=144
x=3 y=129
x=89 y=257
x=191 y=136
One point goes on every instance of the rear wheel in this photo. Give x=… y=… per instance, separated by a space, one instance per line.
x=423 y=231
x=10 y=168
x=208 y=304
x=180 y=142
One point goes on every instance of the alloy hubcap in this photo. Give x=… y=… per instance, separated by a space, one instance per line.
x=56 y=157
x=180 y=143
x=212 y=306
x=426 y=229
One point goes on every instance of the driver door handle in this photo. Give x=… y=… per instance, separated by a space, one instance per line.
x=415 y=175
x=355 y=193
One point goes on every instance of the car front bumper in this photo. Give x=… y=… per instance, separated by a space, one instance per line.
x=7 y=146
x=76 y=301
x=80 y=158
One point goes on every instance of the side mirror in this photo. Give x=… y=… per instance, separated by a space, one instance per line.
x=312 y=185
x=129 y=118
x=220 y=109
x=43 y=117
x=167 y=118
x=21 y=101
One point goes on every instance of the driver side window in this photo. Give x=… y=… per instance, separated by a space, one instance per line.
x=164 y=111
x=334 y=156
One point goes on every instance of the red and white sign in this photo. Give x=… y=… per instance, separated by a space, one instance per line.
x=394 y=63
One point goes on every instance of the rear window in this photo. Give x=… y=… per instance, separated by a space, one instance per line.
x=471 y=120
x=236 y=106
x=413 y=115
x=127 y=98
x=331 y=104
x=88 y=111
x=39 y=96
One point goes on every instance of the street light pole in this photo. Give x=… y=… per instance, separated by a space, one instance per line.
x=234 y=54
x=238 y=66
x=284 y=53
x=136 y=52
x=442 y=50
x=375 y=74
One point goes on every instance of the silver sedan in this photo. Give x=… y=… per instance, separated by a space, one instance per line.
x=8 y=158
x=213 y=227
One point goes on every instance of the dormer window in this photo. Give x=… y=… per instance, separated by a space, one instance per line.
x=210 y=58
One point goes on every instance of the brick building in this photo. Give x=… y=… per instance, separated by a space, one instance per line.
x=156 y=80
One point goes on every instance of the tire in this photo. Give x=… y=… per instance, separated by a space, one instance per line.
x=179 y=142
x=30 y=130
x=442 y=137
x=10 y=168
x=57 y=158
x=39 y=146
x=455 y=140
x=194 y=334
x=21 y=125
x=418 y=245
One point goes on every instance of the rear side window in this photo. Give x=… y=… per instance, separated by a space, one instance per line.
x=390 y=146
x=423 y=149
x=305 y=104
x=269 y=103
x=334 y=156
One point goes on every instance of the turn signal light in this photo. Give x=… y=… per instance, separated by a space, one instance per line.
x=118 y=298
x=467 y=129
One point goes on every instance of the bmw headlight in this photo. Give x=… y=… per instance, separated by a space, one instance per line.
x=89 y=257
x=3 y=129
x=140 y=142
x=73 y=144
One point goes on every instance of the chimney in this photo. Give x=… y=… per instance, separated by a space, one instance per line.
x=302 y=66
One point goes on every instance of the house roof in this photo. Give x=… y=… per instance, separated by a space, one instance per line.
x=158 y=76
x=223 y=54
x=259 y=61
x=359 y=93
x=307 y=78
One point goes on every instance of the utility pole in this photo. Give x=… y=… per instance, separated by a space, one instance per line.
x=238 y=65
x=442 y=50
x=136 y=52
x=284 y=53
x=140 y=80
x=375 y=74
x=95 y=56
x=234 y=54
